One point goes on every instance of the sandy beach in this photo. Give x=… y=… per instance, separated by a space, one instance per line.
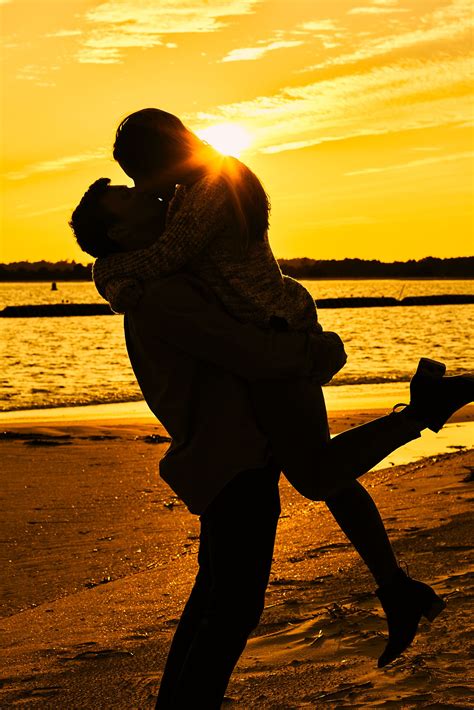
x=100 y=556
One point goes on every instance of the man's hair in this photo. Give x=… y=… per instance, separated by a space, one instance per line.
x=90 y=221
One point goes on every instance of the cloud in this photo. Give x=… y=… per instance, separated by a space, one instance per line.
x=319 y=26
x=120 y=24
x=328 y=31
x=406 y=96
x=39 y=75
x=427 y=148
x=375 y=10
x=377 y=7
x=57 y=165
x=252 y=53
x=414 y=163
x=48 y=210
x=65 y=33
x=445 y=24
x=292 y=145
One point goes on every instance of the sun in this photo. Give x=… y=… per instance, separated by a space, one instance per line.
x=227 y=138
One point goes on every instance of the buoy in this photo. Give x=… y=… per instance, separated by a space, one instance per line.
x=54 y=286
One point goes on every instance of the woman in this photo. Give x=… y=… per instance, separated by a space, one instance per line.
x=217 y=230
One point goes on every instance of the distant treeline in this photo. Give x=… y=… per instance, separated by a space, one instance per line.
x=429 y=267
x=45 y=271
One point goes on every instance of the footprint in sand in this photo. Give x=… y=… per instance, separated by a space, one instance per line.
x=47 y=691
x=94 y=655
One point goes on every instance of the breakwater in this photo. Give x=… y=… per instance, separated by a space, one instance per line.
x=103 y=309
x=57 y=309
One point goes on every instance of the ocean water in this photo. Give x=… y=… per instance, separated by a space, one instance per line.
x=82 y=360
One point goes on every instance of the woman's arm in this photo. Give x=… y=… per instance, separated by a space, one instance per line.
x=205 y=211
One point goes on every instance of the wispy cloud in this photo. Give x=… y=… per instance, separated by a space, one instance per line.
x=328 y=31
x=120 y=24
x=39 y=75
x=448 y=23
x=427 y=148
x=48 y=210
x=59 y=164
x=291 y=145
x=386 y=99
x=375 y=10
x=414 y=163
x=65 y=33
x=252 y=53
x=319 y=26
x=377 y=7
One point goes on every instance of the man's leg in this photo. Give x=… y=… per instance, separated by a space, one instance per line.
x=187 y=628
x=238 y=532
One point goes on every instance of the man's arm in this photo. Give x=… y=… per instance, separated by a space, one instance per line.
x=182 y=311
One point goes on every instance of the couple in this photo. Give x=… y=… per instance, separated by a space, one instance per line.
x=230 y=357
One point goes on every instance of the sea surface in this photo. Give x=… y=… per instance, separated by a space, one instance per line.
x=49 y=362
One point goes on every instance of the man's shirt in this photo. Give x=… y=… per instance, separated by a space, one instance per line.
x=194 y=363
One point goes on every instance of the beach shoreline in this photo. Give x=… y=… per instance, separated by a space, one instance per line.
x=101 y=556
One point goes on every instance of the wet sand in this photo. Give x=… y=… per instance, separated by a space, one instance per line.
x=100 y=557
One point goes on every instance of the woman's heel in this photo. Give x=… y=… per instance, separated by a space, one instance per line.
x=434 y=398
x=404 y=601
x=430 y=368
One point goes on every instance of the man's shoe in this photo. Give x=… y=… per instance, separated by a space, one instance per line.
x=405 y=601
x=435 y=398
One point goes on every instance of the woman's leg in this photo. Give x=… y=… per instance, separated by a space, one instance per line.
x=293 y=414
x=358 y=517
x=237 y=538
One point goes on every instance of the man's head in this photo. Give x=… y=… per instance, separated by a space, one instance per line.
x=113 y=218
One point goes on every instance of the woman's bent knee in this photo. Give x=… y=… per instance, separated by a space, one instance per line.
x=309 y=486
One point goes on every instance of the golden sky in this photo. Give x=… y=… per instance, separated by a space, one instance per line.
x=360 y=113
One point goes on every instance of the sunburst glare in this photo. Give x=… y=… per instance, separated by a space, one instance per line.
x=227 y=138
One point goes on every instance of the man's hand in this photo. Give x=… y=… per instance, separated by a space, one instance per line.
x=128 y=297
x=123 y=294
x=329 y=355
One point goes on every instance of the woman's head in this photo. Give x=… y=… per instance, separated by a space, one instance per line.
x=154 y=148
x=157 y=151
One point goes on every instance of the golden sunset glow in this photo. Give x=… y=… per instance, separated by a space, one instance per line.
x=227 y=138
x=358 y=112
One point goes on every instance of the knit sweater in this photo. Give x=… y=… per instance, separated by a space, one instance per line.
x=200 y=237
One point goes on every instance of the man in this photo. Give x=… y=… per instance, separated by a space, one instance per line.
x=194 y=364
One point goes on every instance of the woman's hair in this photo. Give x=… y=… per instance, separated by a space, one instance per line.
x=151 y=140
x=90 y=221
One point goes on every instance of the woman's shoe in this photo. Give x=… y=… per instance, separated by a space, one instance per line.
x=405 y=601
x=433 y=397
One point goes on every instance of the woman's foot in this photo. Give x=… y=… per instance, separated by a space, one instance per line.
x=405 y=601
x=435 y=398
